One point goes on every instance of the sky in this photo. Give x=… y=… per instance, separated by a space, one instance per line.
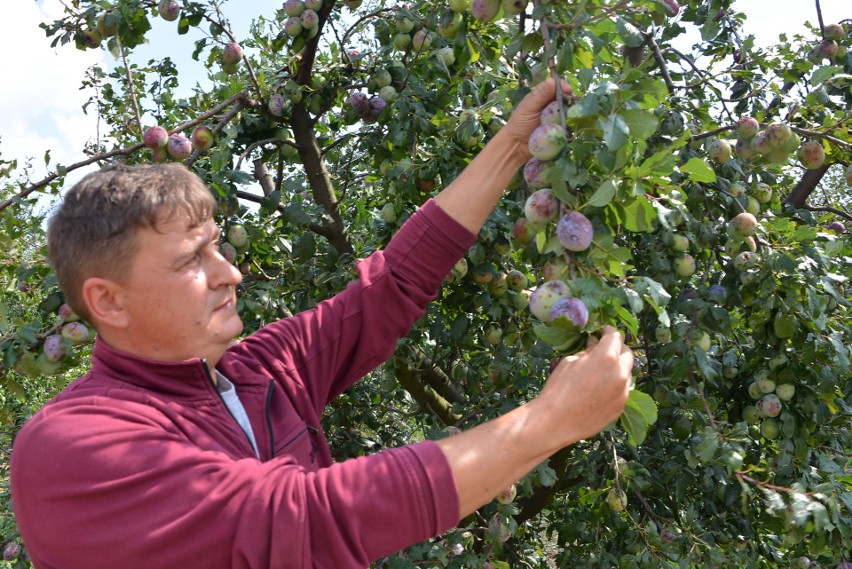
x=42 y=100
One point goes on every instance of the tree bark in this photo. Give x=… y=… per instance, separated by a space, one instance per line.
x=802 y=191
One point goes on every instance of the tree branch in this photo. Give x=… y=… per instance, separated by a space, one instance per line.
x=806 y=185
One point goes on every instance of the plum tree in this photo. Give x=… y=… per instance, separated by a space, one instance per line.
x=332 y=127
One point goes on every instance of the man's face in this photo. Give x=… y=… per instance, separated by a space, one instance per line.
x=180 y=295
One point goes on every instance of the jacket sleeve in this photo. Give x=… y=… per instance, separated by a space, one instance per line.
x=104 y=483
x=345 y=337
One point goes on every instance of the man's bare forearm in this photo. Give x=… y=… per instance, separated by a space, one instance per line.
x=471 y=197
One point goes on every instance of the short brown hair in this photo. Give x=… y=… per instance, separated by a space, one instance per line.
x=92 y=234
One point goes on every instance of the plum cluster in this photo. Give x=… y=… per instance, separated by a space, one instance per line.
x=553 y=301
x=176 y=145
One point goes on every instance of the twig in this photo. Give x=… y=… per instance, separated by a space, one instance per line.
x=658 y=57
x=130 y=89
x=743 y=477
x=816 y=134
x=829 y=209
x=120 y=151
x=710 y=133
x=254 y=145
x=819 y=17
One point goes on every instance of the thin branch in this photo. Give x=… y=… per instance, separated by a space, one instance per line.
x=743 y=477
x=816 y=134
x=829 y=209
x=661 y=62
x=119 y=151
x=263 y=142
x=819 y=17
x=710 y=133
x=130 y=89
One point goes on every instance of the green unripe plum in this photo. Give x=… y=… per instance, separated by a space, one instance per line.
x=785 y=391
x=754 y=390
x=517 y=280
x=616 y=500
x=778 y=360
x=678 y=242
x=238 y=236
x=663 y=334
x=685 y=265
x=750 y=415
x=493 y=334
x=745 y=224
x=770 y=429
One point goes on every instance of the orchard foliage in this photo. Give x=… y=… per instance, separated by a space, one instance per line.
x=699 y=204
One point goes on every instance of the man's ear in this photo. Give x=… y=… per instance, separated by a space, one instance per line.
x=103 y=297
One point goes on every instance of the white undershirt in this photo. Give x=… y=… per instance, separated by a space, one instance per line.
x=235 y=406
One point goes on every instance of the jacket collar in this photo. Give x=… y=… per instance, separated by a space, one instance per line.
x=180 y=379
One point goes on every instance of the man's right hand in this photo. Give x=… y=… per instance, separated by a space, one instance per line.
x=588 y=391
x=585 y=393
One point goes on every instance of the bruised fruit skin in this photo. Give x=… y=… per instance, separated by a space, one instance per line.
x=294 y=7
x=777 y=134
x=202 y=138
x=179 y=146
x=571 y=308
x=744 y=224
x=762 y=192
x=769 y=405
x=541 y=206
x=545 y=296
x=169 y=10
x=508 y=495
x=67 y=314
x=747 y=127
x=534 y=171
x=516 y=280
x=575 y=231
x=310 y=19
x=485 y=10
x=233 y=53
x=76 y=332
x=523 y=231
x=719 y=151
x=547 y=141
x=53 y=349
x=229 y=252
x=812 y=155
x=155 y=137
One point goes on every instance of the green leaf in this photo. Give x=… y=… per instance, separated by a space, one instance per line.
x=639 y=215
x=784 y=325
x=602 y=195
x=639 y=414
x=699 y=170
x=551 y=335
x=660 y=164
x=642 y=124
x=615 y=131
x=824 y=73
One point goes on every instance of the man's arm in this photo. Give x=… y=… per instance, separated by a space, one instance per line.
x=584 y=394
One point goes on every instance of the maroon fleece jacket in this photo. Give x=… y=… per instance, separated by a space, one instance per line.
x=140 y=464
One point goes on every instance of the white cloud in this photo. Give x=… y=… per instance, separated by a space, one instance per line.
x=46 y=91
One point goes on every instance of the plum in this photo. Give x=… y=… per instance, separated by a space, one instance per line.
x=541 y=206
x=571 y=308
x=545 y=296
x=575 y=231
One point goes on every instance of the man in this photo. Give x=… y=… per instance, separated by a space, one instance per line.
x=181 y=448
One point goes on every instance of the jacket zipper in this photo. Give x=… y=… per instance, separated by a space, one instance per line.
x=268 y=412
x=219 y=395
